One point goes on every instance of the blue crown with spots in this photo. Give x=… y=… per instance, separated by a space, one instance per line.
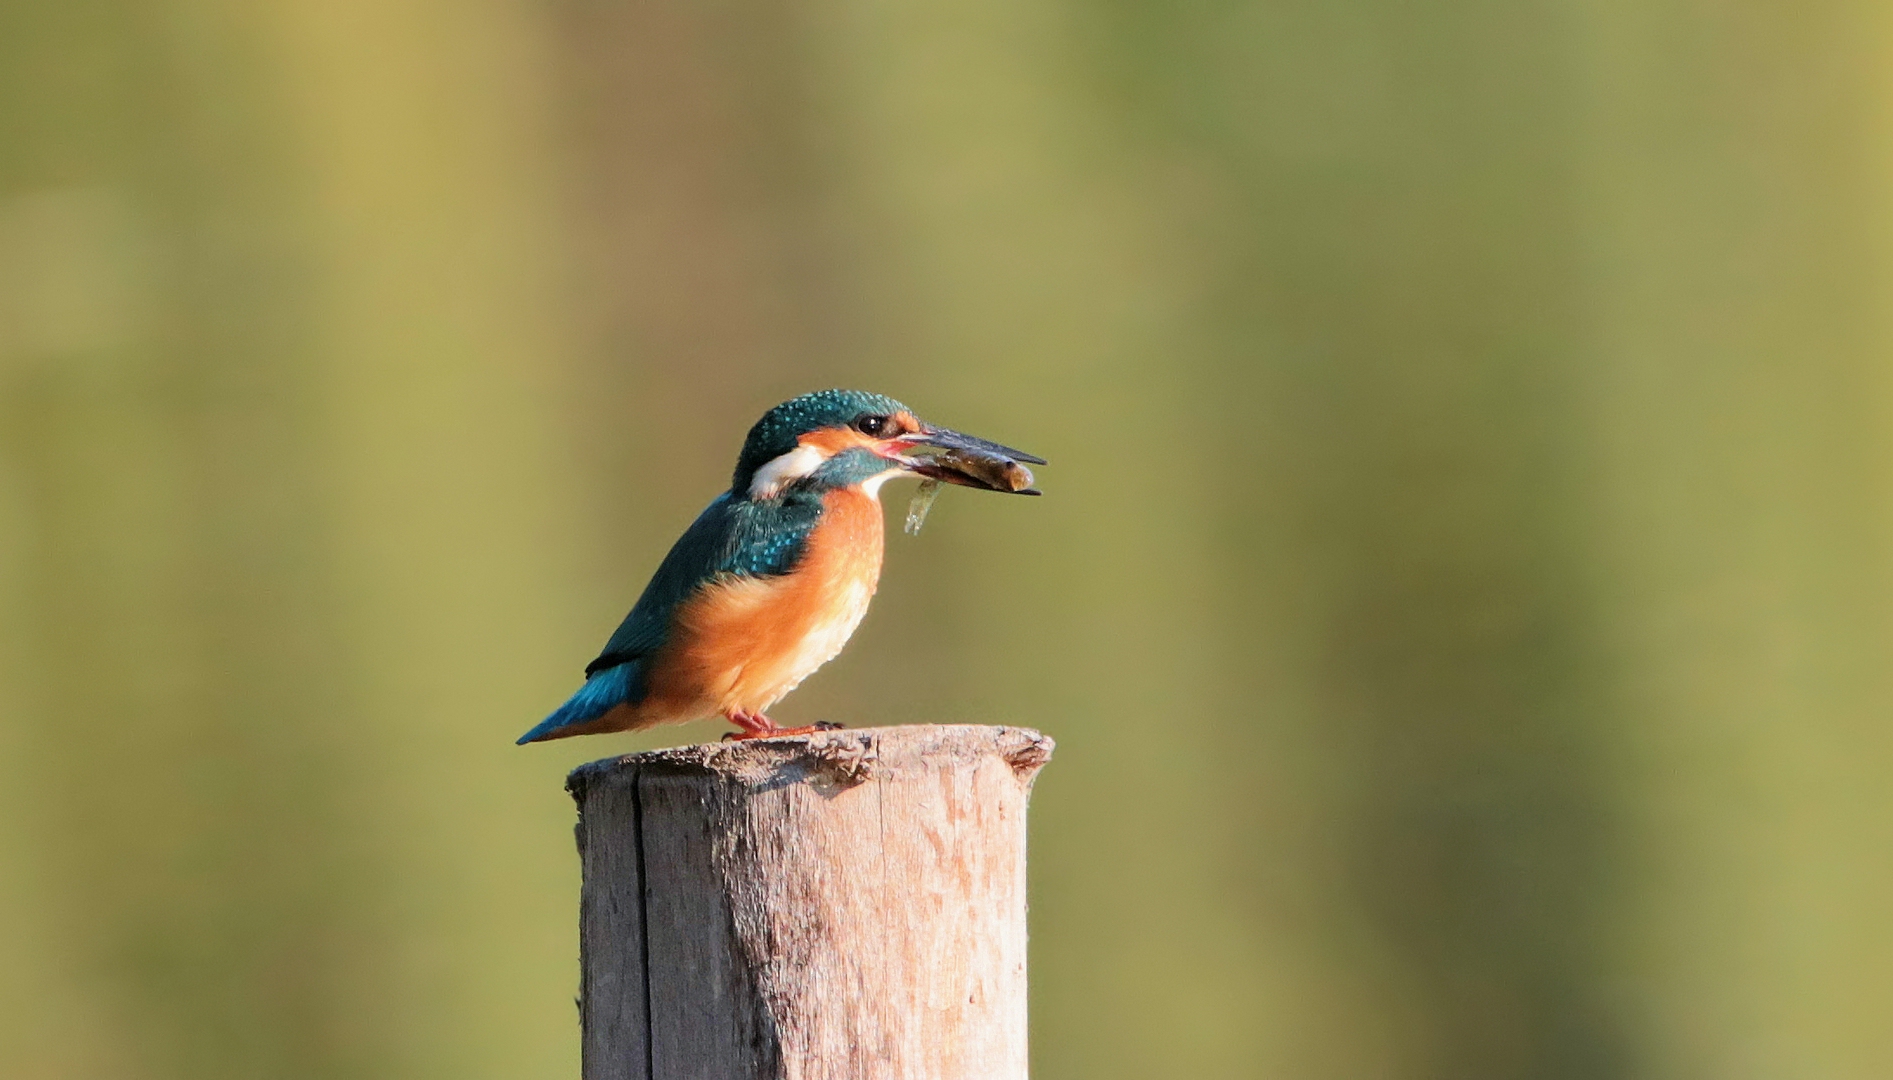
x=776 y=433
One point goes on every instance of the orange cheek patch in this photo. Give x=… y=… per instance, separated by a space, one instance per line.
x=832 y=441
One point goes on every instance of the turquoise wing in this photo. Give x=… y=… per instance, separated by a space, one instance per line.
x=731 y=538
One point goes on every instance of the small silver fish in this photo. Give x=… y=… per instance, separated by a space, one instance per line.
x=968 y=467
x=922 y=502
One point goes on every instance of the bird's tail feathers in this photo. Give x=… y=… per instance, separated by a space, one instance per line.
x=603 y=691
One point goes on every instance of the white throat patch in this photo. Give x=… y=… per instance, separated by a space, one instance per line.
x=872 y=485
x=785 y=470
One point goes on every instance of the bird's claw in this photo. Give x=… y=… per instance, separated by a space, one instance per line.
x=776 y=733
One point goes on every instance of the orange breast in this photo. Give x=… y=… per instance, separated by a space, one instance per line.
x=743 y=644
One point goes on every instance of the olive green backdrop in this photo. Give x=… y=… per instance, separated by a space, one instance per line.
x=1462 y=596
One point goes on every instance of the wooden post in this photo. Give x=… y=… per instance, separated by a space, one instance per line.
x=837 y=906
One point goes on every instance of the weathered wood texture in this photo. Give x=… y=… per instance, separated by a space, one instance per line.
x=847 y=904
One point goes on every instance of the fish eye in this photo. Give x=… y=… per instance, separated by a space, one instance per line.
x=871 y=425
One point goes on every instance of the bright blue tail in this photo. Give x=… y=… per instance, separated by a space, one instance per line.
x=604 y=691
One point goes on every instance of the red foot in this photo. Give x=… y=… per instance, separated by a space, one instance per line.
x=758 y=726
x=751 y=722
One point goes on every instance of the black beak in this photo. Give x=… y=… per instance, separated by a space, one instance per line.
x=953 y=440
x=961 y=459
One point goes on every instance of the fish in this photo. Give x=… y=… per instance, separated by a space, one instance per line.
x=980 y=469
x=922 y=502
x=976 y=468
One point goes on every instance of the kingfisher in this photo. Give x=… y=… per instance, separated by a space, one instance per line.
x=770 y=581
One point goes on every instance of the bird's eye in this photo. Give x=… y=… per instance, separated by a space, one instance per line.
x=871 y=425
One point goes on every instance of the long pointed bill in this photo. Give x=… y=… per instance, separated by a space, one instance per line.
x=954 y=440
x=956 y=458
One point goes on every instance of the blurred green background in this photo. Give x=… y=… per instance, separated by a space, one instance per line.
x=1463 y=597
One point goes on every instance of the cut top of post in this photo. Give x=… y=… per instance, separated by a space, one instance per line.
x=843 y=757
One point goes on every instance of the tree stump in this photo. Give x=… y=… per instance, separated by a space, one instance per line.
x=845 y=904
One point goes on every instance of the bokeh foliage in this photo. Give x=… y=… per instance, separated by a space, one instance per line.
x=1462 y=597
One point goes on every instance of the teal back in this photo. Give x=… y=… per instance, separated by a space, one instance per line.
x=733 y=537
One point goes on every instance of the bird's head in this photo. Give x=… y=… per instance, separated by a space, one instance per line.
x=842 y=438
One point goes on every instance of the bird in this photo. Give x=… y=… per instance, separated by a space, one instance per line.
x=771 y=580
